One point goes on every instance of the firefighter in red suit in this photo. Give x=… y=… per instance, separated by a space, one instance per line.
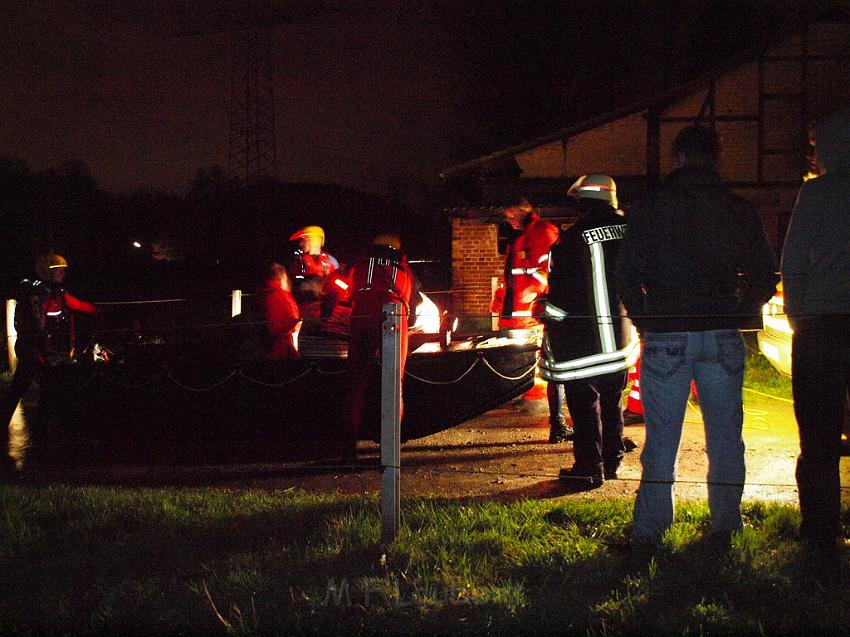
x=381 y=276
x=283 y=319
x=310 y=268
x=44 y=321
x=525 y=279
x=526 y=267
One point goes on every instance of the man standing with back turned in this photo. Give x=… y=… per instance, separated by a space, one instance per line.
x=695 y=267
x=588 y=345
x=816 y=279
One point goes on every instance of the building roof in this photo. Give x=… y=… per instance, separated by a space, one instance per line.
x=707 y=41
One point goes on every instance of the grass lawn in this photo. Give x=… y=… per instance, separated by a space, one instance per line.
x=95 y=560
x=760 y=374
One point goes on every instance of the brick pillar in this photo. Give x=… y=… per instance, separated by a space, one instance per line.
x=475 y=261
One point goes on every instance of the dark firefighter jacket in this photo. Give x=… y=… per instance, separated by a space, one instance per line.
x=587 y=333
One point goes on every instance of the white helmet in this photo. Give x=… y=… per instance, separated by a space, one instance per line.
x=595 y=187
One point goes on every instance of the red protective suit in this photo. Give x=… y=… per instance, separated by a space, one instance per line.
x=283 y=320
x=383 y=276
x=44 y=320
x=309 y=274
x=525 y=275
x=306 y=264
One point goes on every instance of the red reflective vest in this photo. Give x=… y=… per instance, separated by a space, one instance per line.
x=44 y=320
x=526 y=274
x=383 y=276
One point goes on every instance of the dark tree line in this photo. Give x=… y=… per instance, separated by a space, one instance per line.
x=211 y=235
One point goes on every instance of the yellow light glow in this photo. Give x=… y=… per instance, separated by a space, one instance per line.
x=427 y=316
x=778 y=323
x=771 y=351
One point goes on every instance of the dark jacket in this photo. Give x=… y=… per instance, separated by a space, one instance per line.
x=695 y=257
x=587 y=332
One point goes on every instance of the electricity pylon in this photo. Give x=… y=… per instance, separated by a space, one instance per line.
x=250 y=25
x=251 y=152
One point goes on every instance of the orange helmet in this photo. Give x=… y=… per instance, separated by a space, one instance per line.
x=309 y=231
x=47 y=262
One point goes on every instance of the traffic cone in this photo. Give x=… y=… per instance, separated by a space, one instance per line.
x=633 y=404
x=538 y=391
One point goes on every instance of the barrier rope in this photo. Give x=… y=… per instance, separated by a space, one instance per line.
x=443 y=382
x=280 y=384
x=312 y=368
x=500 y=375
x=108 y=378
x=205 y=389
x=247 y=323
x=321 y=371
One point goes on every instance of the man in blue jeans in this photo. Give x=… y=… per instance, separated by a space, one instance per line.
x=695 y=267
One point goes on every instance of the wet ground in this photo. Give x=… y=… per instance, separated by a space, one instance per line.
x=502 y=454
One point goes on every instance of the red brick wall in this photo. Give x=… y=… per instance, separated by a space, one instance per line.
x=475 y=261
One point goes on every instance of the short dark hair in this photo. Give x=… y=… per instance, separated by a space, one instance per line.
x=698 y=145
x=514 y=198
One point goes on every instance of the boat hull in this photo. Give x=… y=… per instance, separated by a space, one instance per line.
x=183 y=405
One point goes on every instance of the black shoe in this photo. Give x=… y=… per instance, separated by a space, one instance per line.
x=629 y=444
x=578 y=479
x=610 y=471
x=631 y=418
x=559 y=433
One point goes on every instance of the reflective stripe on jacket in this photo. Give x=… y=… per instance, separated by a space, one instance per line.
x=587 y=333
x=526 y=273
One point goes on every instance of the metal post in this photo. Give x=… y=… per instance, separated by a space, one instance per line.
x=235 y=303
x=494 y=317
x=391 y=422
x=11 y=334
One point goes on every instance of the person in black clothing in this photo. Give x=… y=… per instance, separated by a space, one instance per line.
x=816 y=279
x=589 y=344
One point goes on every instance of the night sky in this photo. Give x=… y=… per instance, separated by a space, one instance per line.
x=366 y=93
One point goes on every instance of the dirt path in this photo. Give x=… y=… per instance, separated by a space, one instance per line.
x=503 y=455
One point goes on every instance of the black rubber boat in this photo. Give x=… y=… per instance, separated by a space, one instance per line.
x=185 y=403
